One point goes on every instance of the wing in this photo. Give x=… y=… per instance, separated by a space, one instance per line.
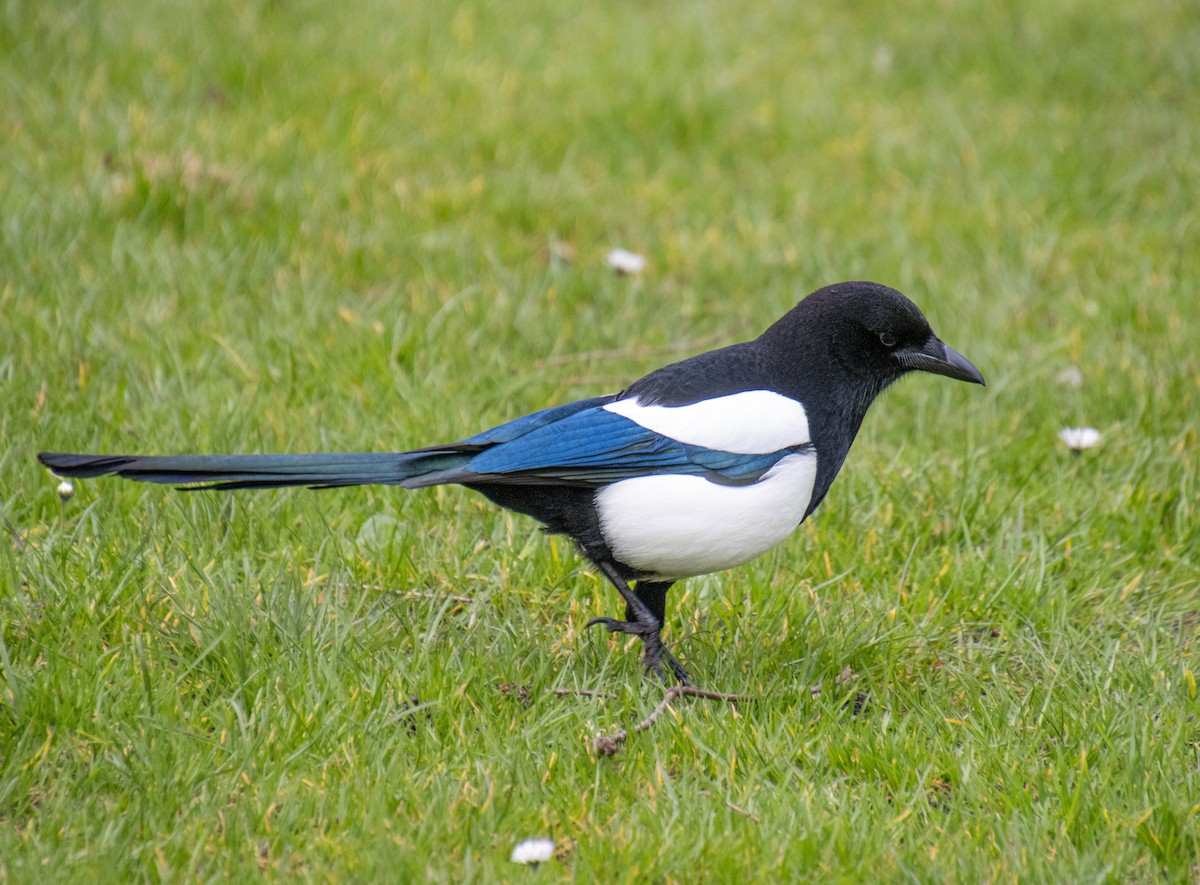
x=594 y=447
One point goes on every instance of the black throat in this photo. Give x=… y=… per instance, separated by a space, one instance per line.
x=835 y=389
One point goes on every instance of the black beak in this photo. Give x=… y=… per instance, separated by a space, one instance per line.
x=938 y=359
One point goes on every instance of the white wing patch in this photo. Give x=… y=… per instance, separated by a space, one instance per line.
x=672 y=527
x=751 y=423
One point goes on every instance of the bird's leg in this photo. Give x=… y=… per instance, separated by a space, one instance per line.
x=645 y=609
x=653 y=594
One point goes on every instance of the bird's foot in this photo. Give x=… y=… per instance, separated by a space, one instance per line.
x=656 y=651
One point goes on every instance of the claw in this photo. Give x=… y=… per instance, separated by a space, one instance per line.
x=677 y=668
x=656 y=653
x=612 y=625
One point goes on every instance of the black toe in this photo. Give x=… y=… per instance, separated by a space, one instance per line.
x=612 y=625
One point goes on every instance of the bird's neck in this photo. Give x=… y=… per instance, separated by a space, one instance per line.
x=835 y=399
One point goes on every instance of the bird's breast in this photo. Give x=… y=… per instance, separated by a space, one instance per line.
x=671 y=526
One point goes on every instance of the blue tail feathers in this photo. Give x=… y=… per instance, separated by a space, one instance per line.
x=410 y=469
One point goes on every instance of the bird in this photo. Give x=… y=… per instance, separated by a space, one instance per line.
x=695 y=468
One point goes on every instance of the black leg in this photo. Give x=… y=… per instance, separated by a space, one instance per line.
x=645 y=610
x=654 y=595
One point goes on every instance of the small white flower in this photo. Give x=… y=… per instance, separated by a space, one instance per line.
x=1079 y=438
x=625 y=262
x=66 y=491
x=1071 y=376
x=533 y=851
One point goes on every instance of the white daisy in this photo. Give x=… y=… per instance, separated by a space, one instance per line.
x=1079 y=438
x=533 y=851
x=625 y=262
x=66 y=491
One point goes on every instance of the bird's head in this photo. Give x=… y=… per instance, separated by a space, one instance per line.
x=872 y=334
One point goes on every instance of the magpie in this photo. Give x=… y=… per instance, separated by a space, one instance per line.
x=698 y=467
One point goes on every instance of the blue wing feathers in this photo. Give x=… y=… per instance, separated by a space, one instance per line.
x=595 y=447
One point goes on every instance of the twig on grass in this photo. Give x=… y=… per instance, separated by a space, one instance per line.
x=610 y=745
x=742 y=811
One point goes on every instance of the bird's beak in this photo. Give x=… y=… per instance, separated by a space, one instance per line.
x=938 y=359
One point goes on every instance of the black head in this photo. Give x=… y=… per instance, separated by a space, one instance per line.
x=866 y=333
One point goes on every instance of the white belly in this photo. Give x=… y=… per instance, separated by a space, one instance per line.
x=673 y=527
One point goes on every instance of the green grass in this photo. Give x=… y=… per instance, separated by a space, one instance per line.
x=291 y=226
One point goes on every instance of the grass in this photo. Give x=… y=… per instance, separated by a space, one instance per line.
x=275 y=226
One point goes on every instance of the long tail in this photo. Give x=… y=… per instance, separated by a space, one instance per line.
x=409 y=469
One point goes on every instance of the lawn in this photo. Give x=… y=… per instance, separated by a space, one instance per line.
x=372 y=225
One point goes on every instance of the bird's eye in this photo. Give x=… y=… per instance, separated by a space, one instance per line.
x=887 y=339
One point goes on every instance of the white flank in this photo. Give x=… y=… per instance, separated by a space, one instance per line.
x=674 y=527
x=750 y=423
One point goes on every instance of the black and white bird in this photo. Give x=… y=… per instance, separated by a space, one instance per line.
x=698 y=467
